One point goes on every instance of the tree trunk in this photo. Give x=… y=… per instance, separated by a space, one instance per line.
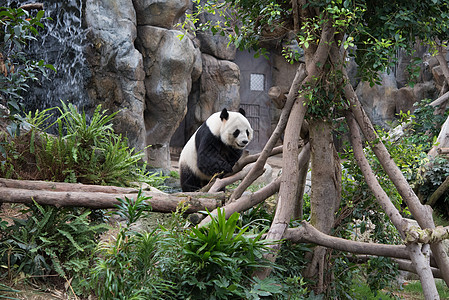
x=326 y=192
x=315 y=56
x=303 y=171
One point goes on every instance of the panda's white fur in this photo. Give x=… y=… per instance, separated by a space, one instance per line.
x=214 y=148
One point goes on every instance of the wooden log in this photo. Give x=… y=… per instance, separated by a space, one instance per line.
x=30 y=6
x=63 y=186
x=440 y=100
x=277 y=95
x=443 y=150
x=160 y=202
x=439 y=192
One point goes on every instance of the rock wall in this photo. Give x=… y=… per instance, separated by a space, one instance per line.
x=117 y=67
x=141 y=67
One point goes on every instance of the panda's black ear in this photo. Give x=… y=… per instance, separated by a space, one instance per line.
x=242 y=111
x=224 y=114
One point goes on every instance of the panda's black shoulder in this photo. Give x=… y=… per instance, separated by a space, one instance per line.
x=205 y=135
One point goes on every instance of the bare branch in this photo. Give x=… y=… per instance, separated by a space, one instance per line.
x=257 y=170
x=423 y=214
x=241 y=163
x=439 y=192
x=440 y=100
x=247 y=201
x=381 y=197
x=220 y=183
x=403 y=264
x=309 y=234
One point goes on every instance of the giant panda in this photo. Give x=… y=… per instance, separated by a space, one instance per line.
x=214 y=148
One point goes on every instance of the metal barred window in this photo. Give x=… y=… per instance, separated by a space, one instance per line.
x=253 y=116
x=257 y=82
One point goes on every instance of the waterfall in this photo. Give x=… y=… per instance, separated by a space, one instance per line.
x=61 y=43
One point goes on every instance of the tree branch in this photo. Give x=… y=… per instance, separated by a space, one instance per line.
x=247 y=201
x=439 y=192
x=31 y=6
x=403 y=264
x=309 y=234
x=241 y=163
x=440 y=100
x=257 y=170
x=380 y=195
x=423 y=214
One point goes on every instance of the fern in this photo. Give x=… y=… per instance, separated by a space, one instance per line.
x=48 y=239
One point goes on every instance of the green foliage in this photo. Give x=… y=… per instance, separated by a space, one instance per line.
x=49 y=240
x=126 y=268
x=381 y=273
x=221 y=258
x=433 y=178
x=84 y=150
x=175 y=262
x=17 y=28
x=132 y=210
x=423 y=126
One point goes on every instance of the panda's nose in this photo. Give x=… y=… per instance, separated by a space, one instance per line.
x=244 y=142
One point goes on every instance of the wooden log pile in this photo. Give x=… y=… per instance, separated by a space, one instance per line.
x=94 y=196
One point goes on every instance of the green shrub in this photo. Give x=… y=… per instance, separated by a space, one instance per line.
x=127 y=268
x=177 y=262
x=49 y=240
x=86 y=151
x=222 y=258
x=17 y=28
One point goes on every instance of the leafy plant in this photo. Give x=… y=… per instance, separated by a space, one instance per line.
x=127 y=267
x=223 y=257
x=423 y=126
x=84 y=150
x=17 y=28
x=51 y=240
x=177 y=262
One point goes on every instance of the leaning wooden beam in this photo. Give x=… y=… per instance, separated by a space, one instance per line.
x=423 y=214
x=440 y=100
x=306 y=233
x=159 y=202
x=241 y=163
x=257 y=170
x=246 y=201
x=439 y=192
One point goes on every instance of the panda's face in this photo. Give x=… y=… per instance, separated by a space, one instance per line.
x=236 y=131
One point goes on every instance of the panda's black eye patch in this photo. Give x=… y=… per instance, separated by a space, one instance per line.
x=247 y=132
x=236 y=133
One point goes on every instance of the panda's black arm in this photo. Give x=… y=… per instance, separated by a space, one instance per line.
x=212 y=154
x=210 y=159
